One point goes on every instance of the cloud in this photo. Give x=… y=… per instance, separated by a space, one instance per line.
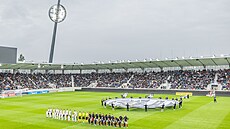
x=117 y=30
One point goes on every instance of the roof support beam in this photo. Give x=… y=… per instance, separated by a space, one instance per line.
x=126 y=69
x=214 y=62
x=201 y=63
x=157 y=65
x=143 y=69
x=138 y=65
x=178 y=64
x=188 y=62
x=228 y=61
x=145 y=63
x=166 y=64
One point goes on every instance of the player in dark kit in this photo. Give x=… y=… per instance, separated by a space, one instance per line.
x=96 y=119
x=120 y=120
x=146 y=107
x=112 y=106
x=99 y=119
x=187 y=96
x=102 y=119
x=127 y=105
x=102 y=102
x=174 y=106
x=162 y=107
x=215 y=101
x=109 y=119
x=115 y=121
x=180 y=103
x=125 y=121
x=112 y=120
x=90 y=117
x=106 y=120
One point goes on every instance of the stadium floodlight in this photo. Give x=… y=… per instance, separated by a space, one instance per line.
x=62 y=66
x=57 y=14
x=201 y=56
x=166 y=58
x=0 y=65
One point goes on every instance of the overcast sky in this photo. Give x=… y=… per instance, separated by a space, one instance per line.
x=111 y=30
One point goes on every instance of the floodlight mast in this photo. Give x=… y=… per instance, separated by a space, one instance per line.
x=57 y=14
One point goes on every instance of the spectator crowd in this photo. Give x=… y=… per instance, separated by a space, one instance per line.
x=178 y=79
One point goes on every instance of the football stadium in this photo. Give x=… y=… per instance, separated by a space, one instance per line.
x=191 y=92
x=32 y=100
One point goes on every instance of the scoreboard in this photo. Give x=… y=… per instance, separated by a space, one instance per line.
x=8 y=55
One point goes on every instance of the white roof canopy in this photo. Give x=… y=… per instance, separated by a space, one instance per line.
x=214 y=61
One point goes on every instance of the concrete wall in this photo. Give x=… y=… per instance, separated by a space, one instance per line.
x=148 y=91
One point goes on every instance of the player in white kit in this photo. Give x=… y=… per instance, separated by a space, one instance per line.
x=60 y=115
x=50 y=113
x=47 y=113
x=66 y=114
x=69 y=115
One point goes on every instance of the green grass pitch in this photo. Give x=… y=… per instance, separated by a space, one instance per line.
x=28 y=112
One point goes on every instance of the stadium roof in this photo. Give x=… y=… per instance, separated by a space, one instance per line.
x=211 y=61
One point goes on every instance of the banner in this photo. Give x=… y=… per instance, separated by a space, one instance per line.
x=184 y=93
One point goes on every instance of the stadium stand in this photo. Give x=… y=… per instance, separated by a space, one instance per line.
x=183 y=78
x=177 y=79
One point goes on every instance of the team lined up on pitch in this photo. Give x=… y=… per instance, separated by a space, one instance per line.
x=91 y=118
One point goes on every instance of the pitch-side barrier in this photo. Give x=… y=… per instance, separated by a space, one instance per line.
x=157 y=91
x=20 y=92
